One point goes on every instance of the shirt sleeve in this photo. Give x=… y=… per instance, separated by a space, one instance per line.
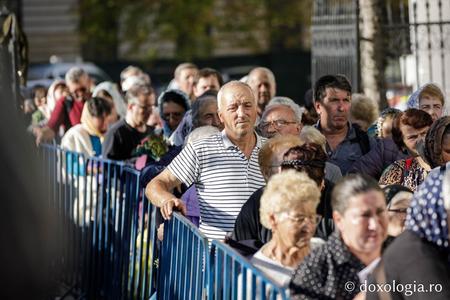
x=370 y=163
x=185 y=166
x=57 y=116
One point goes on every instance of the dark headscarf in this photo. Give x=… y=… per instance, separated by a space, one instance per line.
x=390 y=191
x=433 y=142
x=427 y=216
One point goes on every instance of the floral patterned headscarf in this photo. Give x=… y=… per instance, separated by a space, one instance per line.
x=427 y=215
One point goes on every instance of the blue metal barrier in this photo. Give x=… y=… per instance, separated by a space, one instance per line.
x=231 y=276
x=184 y=261
x=108 y=234
x=109 y=246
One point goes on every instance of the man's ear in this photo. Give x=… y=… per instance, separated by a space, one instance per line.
x=219 y=113
x=317 y=106
x=338 y=220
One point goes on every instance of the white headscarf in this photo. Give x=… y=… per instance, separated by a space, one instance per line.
x=111 y=89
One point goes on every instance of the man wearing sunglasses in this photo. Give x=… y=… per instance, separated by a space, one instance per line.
x=68 y=108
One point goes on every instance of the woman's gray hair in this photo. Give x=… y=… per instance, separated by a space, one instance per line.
x=298 y=111
x=279 y=196
x=350 y=186
x=199 y=104
x=311 y=134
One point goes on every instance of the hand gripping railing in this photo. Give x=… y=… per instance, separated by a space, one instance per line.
x=108 y=240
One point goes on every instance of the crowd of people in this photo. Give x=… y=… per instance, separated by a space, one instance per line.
x=322 y=197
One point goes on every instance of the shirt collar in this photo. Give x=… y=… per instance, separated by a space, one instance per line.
x=229 y=144
x=340 y=251
x=351 y=133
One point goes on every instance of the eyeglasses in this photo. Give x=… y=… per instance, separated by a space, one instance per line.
x=135 y=101
x=301 y=219
x=172 y=115
x=275 y=123
x=144 y=107
x=399 y=210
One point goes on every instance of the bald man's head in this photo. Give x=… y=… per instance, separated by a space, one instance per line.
x=237 y=109
x=233 y=87
x=262 y=82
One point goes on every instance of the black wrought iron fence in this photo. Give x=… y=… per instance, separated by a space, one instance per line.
x=415 y=41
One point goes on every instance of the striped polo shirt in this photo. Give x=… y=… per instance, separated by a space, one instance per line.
x=224 y=179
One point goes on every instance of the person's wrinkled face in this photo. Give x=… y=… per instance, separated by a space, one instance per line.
x=185 y=80
x=412 y=136
x=446 y=148
x=172 y=114
x=432 y=105
x=238 y=111
x=205 y=84
x=334 y=109
x=208 y=115
x=141 y=108
x=297 y=226
x=263 y=87
x=279 y=120
x=80 y=89
x=397 y=216
x=363 y=225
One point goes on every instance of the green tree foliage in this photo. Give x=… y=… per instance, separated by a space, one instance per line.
x=194 y=27
x=99 y=27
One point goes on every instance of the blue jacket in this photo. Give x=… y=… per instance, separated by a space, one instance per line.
x=379 y=158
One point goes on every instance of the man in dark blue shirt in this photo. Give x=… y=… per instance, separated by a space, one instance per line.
x=346 y=142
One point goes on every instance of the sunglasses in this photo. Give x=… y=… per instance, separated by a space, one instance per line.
x=172 y=115
x=298 y=164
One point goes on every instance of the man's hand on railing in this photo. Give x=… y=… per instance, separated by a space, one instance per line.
x=171 y=204
x=44 y=134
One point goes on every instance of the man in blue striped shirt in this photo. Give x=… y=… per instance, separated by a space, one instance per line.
x=224 y=167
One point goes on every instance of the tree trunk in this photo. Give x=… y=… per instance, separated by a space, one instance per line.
x=372 y=50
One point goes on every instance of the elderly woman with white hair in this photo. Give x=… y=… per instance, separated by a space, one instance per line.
x=291 y=215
